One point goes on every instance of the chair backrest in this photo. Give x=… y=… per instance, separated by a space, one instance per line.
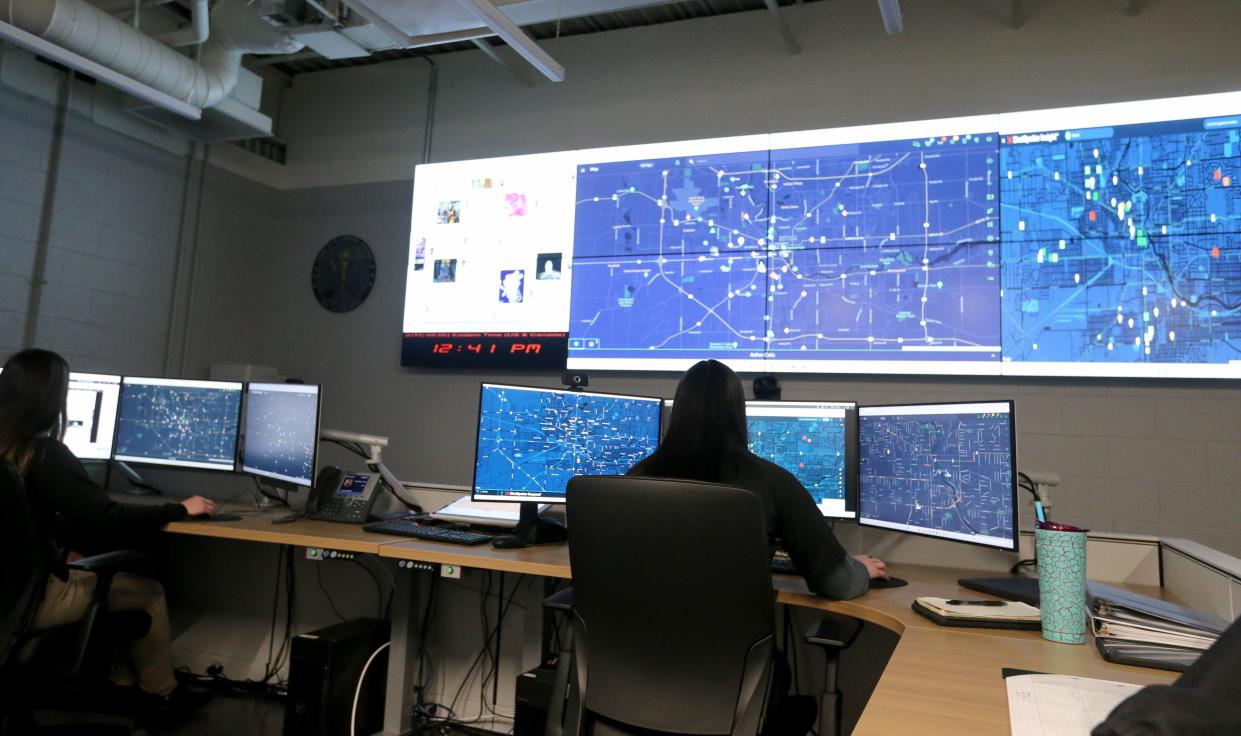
x=23 y=566
x=673 y=611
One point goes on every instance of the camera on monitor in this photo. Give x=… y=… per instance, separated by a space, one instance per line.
x=575 y=379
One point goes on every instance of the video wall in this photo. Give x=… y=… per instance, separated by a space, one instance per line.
x=1090 y=241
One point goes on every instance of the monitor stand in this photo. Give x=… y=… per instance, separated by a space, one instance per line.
x=138 y=486
x=532 y=529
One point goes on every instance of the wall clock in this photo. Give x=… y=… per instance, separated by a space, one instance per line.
x=343 y=274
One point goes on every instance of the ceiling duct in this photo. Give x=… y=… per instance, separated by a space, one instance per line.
x=235 y=29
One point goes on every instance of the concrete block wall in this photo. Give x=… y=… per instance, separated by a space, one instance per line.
x=115 y=225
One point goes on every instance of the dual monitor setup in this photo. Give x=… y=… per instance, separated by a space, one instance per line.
x=939 y=470
x=196 y=424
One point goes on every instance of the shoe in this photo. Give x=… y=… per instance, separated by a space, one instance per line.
x=184 y=702
x=177 y=707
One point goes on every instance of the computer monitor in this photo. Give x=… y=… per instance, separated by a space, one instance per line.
x=281 y=432
x=187 y=424
x=531 y=441
x=940 y=470
x=816 y=441
x=91 y=409
x=813 y=440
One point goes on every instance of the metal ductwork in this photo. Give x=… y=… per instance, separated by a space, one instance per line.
x=90 y=32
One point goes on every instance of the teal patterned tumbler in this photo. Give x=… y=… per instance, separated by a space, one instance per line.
x=1062 y=581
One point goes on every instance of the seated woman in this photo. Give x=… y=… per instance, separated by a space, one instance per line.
x=707 y=441
x=33 y=392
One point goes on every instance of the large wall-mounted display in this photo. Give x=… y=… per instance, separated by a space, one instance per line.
x=1089 y=241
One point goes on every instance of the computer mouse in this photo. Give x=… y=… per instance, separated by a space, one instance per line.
x=508 y=542
x=217 y=517
x=888 y=582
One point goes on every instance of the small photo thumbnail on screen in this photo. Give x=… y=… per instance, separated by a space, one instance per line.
x=515 y=204
x=449 y=213
x=445 y=271
x=549 y=266
x=512 y=286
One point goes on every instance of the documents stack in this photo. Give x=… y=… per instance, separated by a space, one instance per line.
x=1138 y=630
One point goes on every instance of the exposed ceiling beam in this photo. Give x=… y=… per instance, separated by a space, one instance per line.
x=490 y=53
x=515 y=37
x=891 y=12
x=789 y=39
x=406 y=41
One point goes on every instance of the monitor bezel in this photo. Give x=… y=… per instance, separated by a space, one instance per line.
x=185 y=383
x=314 y=462
x=83 y=376
x=1012 y=442
x=561 y=499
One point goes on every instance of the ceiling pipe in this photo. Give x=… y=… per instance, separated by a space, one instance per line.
x=194 y=34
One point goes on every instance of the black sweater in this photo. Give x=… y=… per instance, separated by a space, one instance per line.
x=795 y=524
x=65 y=501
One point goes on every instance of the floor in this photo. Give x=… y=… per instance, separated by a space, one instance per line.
x=233 y=716
x=249 y=716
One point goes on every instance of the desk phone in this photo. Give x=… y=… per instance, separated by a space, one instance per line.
x=349 y=500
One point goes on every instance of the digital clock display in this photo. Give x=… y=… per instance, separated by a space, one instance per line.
x=483 y=349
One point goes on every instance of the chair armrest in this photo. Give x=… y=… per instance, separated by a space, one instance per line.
x=561 y=600
x=106 y=562
x=834 y=632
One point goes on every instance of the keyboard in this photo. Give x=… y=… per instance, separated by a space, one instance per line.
x=411 y=528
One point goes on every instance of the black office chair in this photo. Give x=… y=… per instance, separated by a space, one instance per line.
x=55 y=677
x=672 y=608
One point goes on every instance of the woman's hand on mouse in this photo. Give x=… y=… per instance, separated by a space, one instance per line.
x=199 y=506
x=875 y=568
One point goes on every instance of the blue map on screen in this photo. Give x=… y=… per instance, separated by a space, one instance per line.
x=531 y=441
x=881 y=250
x=178 y=424
x=811 y=448
x=1121 y=245
x=939 y=472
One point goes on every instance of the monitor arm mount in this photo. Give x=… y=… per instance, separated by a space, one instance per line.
x=370 y=448
x=138 y=486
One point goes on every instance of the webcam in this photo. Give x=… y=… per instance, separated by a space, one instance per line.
x=767 y=388
x=575 y=379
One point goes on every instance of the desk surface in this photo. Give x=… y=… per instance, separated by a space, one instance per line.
x=945 y=680
x=258 y=527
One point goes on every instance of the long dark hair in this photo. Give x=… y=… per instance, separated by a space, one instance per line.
x=33 y=389
x=707 y=432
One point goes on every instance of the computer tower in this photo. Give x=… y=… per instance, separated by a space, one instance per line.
x=534 y=696
x=324 y=667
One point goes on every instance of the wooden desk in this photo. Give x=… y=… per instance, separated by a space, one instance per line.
x=551 y=561
x=946 y=681
x=258 y=527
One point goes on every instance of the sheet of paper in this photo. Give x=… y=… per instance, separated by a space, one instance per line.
x=1060 y=705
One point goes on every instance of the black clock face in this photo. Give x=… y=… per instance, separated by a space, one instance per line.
x=343 y=274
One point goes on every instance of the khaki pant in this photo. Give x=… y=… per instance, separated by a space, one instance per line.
x=66 y=602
